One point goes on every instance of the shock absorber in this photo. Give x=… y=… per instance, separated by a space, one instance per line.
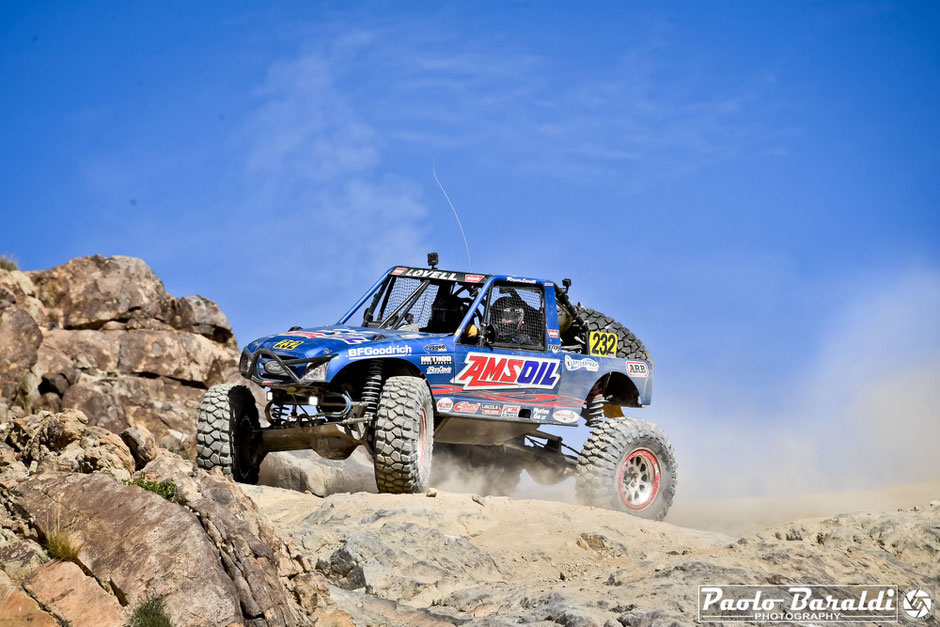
x=372 y=387
x=594 y=414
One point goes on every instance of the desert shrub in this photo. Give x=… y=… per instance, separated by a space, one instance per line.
x=150 y=613
x=166 y=489
x=59 y=545
x=8 y=263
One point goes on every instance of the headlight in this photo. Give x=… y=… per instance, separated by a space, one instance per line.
x=316 y=372
x=272 y=367
x=243 y=362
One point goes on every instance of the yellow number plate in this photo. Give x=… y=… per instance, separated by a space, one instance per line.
x=603 y=344
x=288 y=345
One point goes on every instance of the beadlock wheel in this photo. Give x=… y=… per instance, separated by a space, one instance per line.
x=627 y=464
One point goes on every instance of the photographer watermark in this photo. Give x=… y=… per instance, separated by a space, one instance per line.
x=812 y=603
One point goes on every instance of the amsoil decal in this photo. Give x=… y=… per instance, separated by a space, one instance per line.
x=565 y=416
x=349 y=336
x=491 y=409
x=577 y=364
x=463 y=407
x=436 y=360
x=378 y=351
x=484 y=371
x=445 y=404
x=638 y=369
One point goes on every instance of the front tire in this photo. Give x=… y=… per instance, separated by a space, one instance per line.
x=227 y=433
x=628 y=464
x=404 y=436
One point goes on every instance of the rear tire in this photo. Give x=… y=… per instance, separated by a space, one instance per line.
x=628 y=464
x=629 y=346
x=227 y=433
x=404 y=436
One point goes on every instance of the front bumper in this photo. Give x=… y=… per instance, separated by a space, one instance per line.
x=248 y=367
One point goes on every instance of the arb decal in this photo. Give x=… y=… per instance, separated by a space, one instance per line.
x=638 y=369
x=484 y=371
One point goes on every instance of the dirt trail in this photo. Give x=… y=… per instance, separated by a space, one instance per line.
x=465 y=559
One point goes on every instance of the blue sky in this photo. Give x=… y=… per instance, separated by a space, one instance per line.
x=743 y=184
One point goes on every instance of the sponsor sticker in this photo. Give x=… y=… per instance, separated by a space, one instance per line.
x=553 y=333
x=435 y=348
x=577 y=364
x=485 y=371
x=518 y=280
x=792 y=603
x=288 y=345
x=638 y=369
x=565 y=416
x=540 y=413
x=445 y=404
x=555 y=348
x=463 y=407
x=349 y=336
x=511 y=411
x=602 y=343
x=491 y=409
x=474 y=278
x=439 y=369
x=378 y=351
x=436 y=360
x=398 y=271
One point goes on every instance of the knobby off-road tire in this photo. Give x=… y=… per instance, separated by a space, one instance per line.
x=629 y=346
x=228 y=417
x=628 y=464
x=404 y=436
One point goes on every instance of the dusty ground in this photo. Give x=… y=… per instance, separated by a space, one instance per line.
x=460 y=558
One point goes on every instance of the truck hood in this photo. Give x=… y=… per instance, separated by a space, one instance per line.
x=330 y=340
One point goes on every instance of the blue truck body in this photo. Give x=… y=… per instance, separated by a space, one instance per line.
x=467 y=379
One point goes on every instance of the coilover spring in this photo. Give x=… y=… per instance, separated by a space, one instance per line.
x=594 y=415
x=372 y=387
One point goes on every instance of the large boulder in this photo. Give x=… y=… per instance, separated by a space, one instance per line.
x=208 y=552
x=87 y=292
x=20 y=338
x=102 y=335
x=131 y=540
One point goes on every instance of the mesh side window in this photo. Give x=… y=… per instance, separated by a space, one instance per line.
x=518 y=315
x=420 y=311
x=400 y=290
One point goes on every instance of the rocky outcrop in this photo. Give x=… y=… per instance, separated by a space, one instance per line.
x=207 y=552
x=102 y=335
x=461 y=559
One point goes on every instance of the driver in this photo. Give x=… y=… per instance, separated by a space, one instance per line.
x=510 y=320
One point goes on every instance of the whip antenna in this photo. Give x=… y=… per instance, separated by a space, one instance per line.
x=443 y=191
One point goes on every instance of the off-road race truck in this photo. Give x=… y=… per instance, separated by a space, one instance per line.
x=471 y=367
